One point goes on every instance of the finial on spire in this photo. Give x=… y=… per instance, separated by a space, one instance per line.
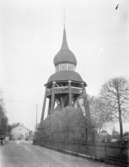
x=64 y=42
x=64 y=19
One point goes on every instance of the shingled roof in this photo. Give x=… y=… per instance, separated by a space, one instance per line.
x=65 y=76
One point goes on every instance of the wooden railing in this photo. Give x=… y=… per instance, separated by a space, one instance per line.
x=64 y=90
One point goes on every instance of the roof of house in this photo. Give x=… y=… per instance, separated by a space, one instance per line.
x=20 y=125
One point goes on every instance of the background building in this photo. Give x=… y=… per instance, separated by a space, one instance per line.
x=20 y=132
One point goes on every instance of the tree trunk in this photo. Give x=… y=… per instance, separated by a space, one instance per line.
x=120 y=121
x=120 y=114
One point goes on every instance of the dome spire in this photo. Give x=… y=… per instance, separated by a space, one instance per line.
x=64 y=42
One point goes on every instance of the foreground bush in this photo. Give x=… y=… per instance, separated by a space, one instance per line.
x=66 y=126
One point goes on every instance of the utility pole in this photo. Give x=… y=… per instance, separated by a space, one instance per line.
x=36 y=116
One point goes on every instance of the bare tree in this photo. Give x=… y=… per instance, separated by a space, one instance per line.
x=116 y=94
x=100 y=112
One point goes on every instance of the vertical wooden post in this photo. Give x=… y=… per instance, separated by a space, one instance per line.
x=61 y=102
x=44 y=105
x=70 y=93
x=83 y=88
x=53 y=96
x=84 y=97
x=49 y=107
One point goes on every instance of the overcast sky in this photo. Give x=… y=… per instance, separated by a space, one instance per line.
x=31 y=35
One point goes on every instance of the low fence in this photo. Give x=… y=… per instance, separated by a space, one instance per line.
x=114 y=153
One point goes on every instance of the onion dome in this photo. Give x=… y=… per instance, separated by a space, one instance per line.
x=65 y=55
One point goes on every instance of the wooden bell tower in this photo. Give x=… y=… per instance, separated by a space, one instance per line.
x=65 y=86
